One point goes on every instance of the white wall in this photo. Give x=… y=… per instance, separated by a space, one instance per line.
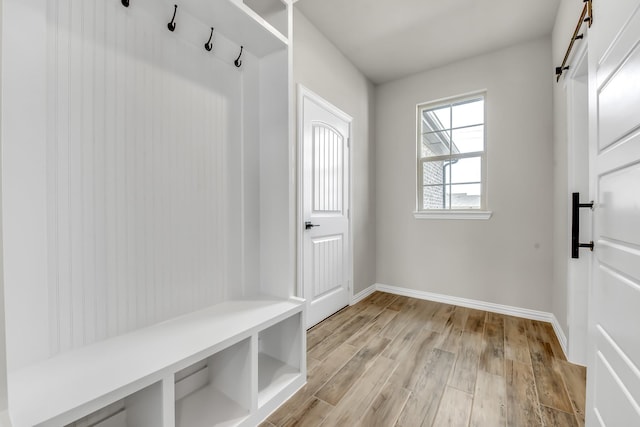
x=321 y=67
x=507 y=259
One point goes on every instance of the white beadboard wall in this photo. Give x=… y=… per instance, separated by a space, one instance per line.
x=143 y=175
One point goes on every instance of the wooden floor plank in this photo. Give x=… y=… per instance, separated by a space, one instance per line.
x=475 y=321
x=492 y=357
x=441 y=315
x=575 y=378
x=322 y=330
x=416 y=362
x=523 y=408
x=374 y=327
x=356 y=402
x=413 y=358
x=344 y=332
x=454 y=409
x=312 y=413
x=422 y=405
x=489 y=401
x=381 y=299
x=316 y=378
x=403 y=304
x=516 y=346
x=349 y=374
x=403 y=342
x=549 y=383
x=453 y=328
x=552 y=339
x=386 y=407
x=554 y=417
x=466 y=368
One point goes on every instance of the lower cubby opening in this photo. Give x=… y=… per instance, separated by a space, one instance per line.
x=279 y=357
x=141 y=409
x=215 y=391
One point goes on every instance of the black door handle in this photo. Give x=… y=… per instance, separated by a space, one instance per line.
x=309 y=226
x=575 y=226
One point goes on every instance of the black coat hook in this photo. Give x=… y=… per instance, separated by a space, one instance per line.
x=208 y=45
x=238 y=62
x=172 y=25
x=125 y=3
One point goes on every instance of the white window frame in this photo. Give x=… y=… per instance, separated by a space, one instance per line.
x=467 y=213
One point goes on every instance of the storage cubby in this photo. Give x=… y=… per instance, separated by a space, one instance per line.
x=141 y=409
x=272 y=11
x=279 y=357
x=149 y=223
x=217 y=390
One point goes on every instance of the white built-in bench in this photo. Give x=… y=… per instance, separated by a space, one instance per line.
x=230 y=364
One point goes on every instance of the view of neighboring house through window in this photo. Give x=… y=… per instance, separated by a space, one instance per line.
x=451 y=154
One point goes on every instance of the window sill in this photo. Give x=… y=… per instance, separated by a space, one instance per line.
x=453 y=214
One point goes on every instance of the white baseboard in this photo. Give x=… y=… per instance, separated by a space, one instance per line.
x=479 y=305
x=363 y=294
x=561 y=336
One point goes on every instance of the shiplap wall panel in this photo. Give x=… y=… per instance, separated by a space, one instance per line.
x=139 y=123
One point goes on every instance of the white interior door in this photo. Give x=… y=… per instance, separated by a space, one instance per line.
x=325 y=259
x=613 y=382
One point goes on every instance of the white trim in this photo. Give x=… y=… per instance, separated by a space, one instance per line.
x=453 y=214
x=562 y=338
x=525 y=313
x=363 y=294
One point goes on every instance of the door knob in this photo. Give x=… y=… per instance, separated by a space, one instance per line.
x=309 y=226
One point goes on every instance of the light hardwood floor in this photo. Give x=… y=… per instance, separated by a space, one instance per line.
x=397 y=361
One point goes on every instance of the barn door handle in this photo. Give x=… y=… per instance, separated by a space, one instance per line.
x=575 y=226
x=309 y=226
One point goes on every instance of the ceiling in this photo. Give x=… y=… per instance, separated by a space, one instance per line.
x=389 y=39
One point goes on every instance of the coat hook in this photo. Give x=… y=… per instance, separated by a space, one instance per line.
x=125 y=3
x=208 y=45
x=238 y=62
x=172 y=25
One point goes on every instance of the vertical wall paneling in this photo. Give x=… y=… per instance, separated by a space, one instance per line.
x=144 y=171
x=328 y=176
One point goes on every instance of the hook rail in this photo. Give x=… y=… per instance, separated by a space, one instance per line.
x=172 y=25
x=208 y=45
x=238 y=61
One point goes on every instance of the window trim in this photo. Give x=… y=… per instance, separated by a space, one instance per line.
x=466 y=213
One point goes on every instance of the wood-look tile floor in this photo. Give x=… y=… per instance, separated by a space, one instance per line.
x=397 y=361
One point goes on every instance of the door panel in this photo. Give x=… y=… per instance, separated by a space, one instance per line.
x=328 y=264
x=615 y=407
x=613 y=376
x=325 y=255
x=618 y=99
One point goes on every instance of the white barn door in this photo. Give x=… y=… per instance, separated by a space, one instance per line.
x=325 y=259
x=613 y=384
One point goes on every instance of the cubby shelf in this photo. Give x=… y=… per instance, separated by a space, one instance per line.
x=209 y=407
x=273 y=376
x=65 y=388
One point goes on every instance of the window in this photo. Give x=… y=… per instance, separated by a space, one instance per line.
x=451 y=154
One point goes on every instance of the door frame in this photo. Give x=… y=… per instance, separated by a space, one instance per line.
x=306 y=93
x=579 y=154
